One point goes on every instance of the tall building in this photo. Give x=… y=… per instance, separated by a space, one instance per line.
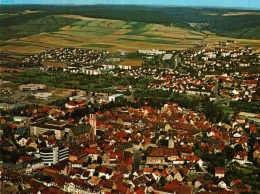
x=54 y=154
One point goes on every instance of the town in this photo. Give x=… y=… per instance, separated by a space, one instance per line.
x=151 y=121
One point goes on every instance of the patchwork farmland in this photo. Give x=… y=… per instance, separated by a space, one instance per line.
x=112 y=35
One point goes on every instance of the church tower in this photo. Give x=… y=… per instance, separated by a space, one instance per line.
x=93 y=123
x=171 y=141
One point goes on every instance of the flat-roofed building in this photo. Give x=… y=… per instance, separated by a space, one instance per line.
x=54 y=155
x=130 y=64
x=32 y=87
x=43 y=95
x=167 y=57
x=58 y=127
x=115 y=97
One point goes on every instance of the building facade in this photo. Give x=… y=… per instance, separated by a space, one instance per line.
x=54 y=154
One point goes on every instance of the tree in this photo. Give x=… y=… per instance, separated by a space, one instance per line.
x=20 y=188
x=228 y=153
x=8 y=132
x=198 y=153
x=238 y=148
x=162 y=181
x=213 y=112
x=99 y=160
x=196 y=145
x=89 y=160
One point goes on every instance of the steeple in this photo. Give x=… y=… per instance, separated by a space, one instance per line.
x=171 y=140
x=171 y=143
x=93 y=123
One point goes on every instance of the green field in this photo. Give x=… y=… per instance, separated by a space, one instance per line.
x=103 y=34
x=99 y=34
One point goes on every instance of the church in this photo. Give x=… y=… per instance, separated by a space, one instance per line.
x=83 y=132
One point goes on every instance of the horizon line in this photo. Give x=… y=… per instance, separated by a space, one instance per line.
x=146 y=5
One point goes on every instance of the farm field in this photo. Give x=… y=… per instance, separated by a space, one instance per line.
x=112 y=35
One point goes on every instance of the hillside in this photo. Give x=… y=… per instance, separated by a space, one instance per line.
x=32 y=29
x=84 y=32
x=224 y=22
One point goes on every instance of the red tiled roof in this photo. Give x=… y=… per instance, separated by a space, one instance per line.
x=90 y=150
x=219 y=170
x=112 y=155
x=253 y=128
x=237 y=181
x=242 y=154
x=122 y=189
x=180 y=189
x=71 y=103
x=139 y=191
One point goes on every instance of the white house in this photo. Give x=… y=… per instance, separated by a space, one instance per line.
x=21 y=141
x=222 y=184
x=71 y=105
x=115 y=97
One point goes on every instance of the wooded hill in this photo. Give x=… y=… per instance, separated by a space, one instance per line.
x=225 y=22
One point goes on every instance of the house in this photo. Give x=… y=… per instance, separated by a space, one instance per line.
x=222 y=184
x=104 y=172
x=71 y=69
x=220 y=172
x=94 y=180
x=20 y=119
x=21 y=141
x=79 y=186
x=6 y=106
x=6 y=90
x=256 y=155
x=115 y=97
x=174 y=175
x=51 y=189
x=152 y=52
x=155 y=156
x=22 y=131
x=241 y=157
x=8 y=146
x=160 y=155
x=106 y=158
x=125 y=163
x=71 y=105
x=31 y=143
x=91 y=70
x=34 y=165
x=178 y=189
x=60 y=168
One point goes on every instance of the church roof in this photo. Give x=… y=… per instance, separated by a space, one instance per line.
x=81 y=129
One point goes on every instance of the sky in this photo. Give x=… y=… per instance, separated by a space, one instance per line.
x=250 y=4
